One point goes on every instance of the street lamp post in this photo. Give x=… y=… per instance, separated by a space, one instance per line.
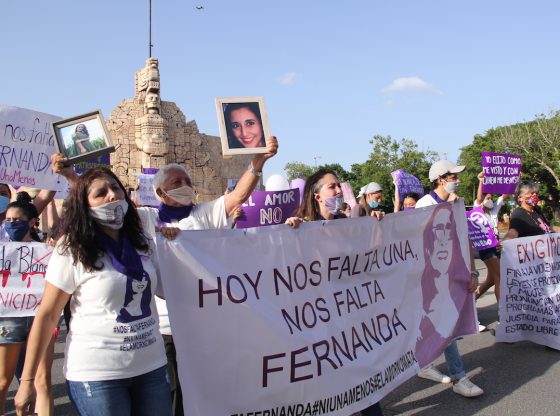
x=315 y=158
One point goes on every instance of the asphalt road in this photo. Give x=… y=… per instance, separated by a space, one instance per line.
x=518 y=379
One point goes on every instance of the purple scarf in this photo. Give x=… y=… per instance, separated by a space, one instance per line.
x=123 y=255
x=436 y=197
x=169 y=214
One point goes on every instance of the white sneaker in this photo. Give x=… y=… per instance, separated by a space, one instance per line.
x=481 y=328
x=432 y=373
x=467 y=388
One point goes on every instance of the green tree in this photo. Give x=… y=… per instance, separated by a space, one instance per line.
x=296 y=170
x=538 y=143
x=341 y=173
x=387 y=156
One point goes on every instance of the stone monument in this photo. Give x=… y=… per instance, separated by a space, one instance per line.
x=150 y=133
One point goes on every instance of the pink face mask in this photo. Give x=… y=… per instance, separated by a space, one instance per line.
x=333 y=204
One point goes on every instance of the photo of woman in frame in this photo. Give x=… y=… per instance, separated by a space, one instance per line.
x=83 y=137
x=243 y=125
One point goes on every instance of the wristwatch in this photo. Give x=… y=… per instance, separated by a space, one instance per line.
x=254 y=171
x=475 y=273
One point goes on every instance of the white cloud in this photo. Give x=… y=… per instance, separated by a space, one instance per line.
x=289 y=78
x=410 y=84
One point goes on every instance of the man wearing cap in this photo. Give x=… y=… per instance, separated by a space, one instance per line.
x=444 y=182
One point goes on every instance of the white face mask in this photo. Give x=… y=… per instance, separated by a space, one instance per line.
x=184 y=195
x=451 y=187
x=488 y=204
x=111 y=214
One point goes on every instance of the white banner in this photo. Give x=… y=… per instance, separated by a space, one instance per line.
x=323 y=320
x=530 y=290
x=22 y=277
x=26 y=146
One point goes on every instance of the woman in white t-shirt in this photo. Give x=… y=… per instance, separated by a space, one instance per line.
x=115 y=360
x=490 y=256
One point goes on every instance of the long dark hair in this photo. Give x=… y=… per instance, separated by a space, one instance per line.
x=78 y=227
x=251 y=106
x=84 y=131
x=24 y=203
x=309 y=208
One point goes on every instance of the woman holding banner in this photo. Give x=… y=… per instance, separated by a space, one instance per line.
x=323 y=200
x=173 y=186
x=490 y=256
x=104 y=262
x=21 y=217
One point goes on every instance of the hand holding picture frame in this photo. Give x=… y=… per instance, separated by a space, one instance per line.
x=243 y=125
x=83 y=137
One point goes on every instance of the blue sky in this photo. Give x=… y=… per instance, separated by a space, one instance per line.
x=333 y=74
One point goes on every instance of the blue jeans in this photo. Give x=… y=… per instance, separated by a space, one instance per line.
x=454 y=361
x=373 y=410
x=144 y=395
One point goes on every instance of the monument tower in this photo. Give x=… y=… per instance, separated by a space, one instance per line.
x=149 y=133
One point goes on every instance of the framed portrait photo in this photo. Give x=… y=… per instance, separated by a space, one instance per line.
x=83 y=137
x=243 y=125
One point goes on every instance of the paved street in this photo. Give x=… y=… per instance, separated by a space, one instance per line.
x=518 y=379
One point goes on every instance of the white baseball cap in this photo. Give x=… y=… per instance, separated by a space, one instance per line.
x=372 y=188
x=443 y=167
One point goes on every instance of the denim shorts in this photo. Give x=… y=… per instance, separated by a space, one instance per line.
x=488 y=253
x=15 y=330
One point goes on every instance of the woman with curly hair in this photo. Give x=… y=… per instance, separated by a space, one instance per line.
x=115 y=360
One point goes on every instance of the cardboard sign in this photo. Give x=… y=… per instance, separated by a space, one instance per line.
x=501 y=172
x=145 y=194
x=268 y=208
x=22 y=270
x=480 y=231
x=407 y=183
x=26 y=146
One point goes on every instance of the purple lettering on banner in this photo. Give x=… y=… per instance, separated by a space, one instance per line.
x=268 y=208
x=480 y=231
x=501 y=172
x=96 y=162
x=407 y=183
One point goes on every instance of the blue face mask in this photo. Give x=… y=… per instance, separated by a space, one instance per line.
x=16 y=229
x=373 y=204
x=408 y=208
x=4 y=201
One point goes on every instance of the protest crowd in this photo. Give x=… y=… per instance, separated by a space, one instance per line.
x=105 y=277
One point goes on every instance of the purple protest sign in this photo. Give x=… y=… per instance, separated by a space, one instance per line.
x=96 y=162
x=480 y=230
x=407 y=183
x=150 y=171
x=501 y=172
x=268 y=208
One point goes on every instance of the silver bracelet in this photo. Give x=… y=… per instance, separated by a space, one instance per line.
x=254 y=171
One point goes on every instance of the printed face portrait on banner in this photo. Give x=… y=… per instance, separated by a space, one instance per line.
x=444 y=283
